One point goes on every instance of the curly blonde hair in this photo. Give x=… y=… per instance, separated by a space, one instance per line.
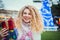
x=36 y=20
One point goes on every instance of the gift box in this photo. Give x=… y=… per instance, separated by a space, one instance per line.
x=10 y=25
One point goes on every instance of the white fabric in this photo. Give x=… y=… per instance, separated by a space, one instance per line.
x=37 y=36
x=26 y=27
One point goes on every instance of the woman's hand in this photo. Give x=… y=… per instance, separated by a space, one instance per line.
x=3 y=32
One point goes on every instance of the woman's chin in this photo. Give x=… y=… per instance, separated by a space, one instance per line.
x=27 y=21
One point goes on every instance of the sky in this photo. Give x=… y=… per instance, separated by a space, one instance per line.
x=18 y=4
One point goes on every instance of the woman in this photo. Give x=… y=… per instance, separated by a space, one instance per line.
x=29 y=24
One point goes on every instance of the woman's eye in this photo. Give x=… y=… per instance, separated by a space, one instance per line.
x=29 y=13
x=25 y=13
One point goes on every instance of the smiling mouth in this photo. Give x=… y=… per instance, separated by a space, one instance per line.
x=26 y=21
x=26 y=18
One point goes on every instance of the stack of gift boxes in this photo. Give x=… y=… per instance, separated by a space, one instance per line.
x=10 y=25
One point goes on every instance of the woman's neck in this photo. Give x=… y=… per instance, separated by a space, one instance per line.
x=26 y=23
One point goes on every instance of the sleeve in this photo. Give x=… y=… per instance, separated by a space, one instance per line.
x=15 y=29
x=16 y=32
x=19 y=34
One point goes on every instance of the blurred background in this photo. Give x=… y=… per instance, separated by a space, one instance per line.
x=49 y=9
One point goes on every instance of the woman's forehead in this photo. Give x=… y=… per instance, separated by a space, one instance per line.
x=26 y=10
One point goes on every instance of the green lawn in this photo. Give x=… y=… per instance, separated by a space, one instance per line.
x=51 y=35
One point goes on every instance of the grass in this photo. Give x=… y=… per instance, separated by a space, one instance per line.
x=51 y=35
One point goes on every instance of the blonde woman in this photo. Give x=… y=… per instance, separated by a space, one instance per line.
x=29 y=24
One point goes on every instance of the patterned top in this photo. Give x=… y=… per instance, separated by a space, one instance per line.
x=26 y=34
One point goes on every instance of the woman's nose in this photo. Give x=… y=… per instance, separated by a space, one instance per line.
x=27 y=15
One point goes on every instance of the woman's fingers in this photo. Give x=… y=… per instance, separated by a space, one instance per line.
x=3 y=35
x=3 y=30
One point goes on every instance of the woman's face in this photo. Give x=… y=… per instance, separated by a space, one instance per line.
x=26 y=15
